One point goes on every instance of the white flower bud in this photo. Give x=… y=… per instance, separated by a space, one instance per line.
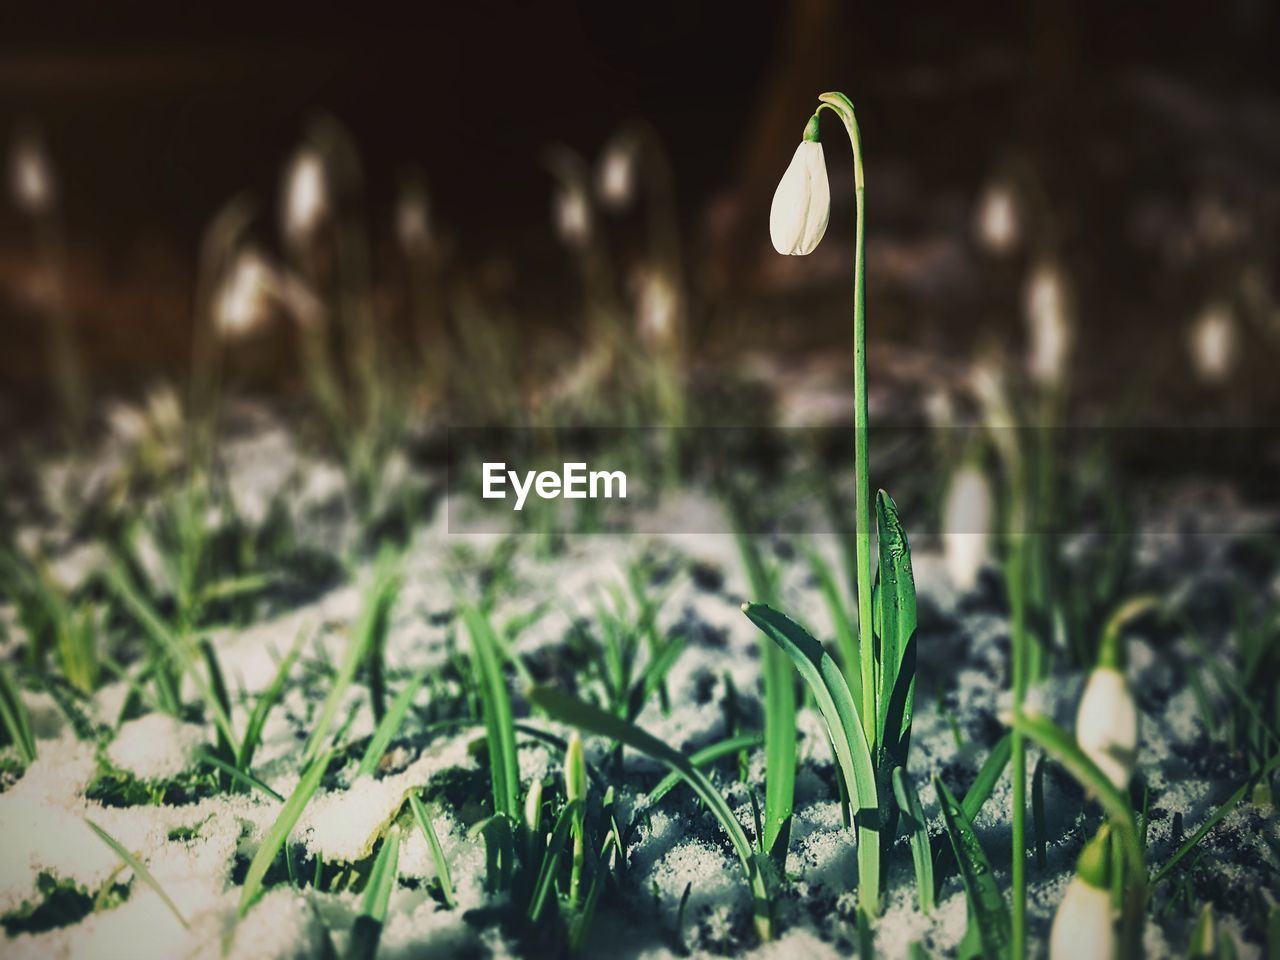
x=306 y=196
x=996 y=222
x=413 y=221
x=1213 y=344
x=1107 y=725
x=244 y=297
x=656 y=308
x=967 y=516
x=572 y=216
x=31 y=177
x=1083 y=925
x=802 y=202
x=1049 y=326
x=617 y=176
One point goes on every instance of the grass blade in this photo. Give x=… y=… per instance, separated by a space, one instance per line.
x=270 y=697
x=367 y=929
x=278 y=834
x=779 y=705
x=496 y=704
x=243 y=777
x=551 y=859
x=442 y=865
x=139 y=868
x=16 y=719
x=835 y=702
x=704 y=757
x=914 y=821
x=364 y=641
x=986 y=904
x=897 y=607
x=846 y=630
x=988 y=776
x=1214 y=819
x=570 y=710
x=388 y=727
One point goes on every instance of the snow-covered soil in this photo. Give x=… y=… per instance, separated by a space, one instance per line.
x=197 y=850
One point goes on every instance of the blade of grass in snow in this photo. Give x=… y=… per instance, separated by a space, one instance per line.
x=496 y=706
x=915 y=823
x=243 y=777
x=388 y=727
x=1214 y=819
x=174 y=646
x=705 y=757
x=278 y=834
x=846 y=629
x=1062 y=747
x=986 y=904
x=551 y=859
x=269 y=698
x=844 y=727
x=437 y=855
x=779 y=703
x=896 y=593
x=988 y=776
x=570 y=710
x=139 y=868
x=16 y=719
x=367 y=929
x=373 y=621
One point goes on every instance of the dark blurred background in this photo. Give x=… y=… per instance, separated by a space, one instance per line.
x=1143 y=121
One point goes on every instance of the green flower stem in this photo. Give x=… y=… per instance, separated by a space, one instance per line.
x=843 y=108
x=1016 y=578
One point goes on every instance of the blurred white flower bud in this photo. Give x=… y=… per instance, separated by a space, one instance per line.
x=306 y=196
x=802 y=202
x=413 y=220
x=617 y=174
x=1107 y=725
x=968 y=515
x=571 y=214
x=243 y=300
x=656 y=307
x=1084 y=925
x=996 y=221
x=31 y=176
x=1049 y=326
x=1213 y=344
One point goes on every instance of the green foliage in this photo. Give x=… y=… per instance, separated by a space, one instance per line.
x=989 y=916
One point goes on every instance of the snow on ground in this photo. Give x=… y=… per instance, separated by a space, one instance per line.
x=195 y=849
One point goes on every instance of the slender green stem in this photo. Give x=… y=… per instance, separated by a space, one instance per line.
x=1017 y=584
x=842 y=106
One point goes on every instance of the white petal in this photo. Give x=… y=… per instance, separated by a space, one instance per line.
x=1107 y=725
x=802 y=202
x=967 y=522
x=1083 y=925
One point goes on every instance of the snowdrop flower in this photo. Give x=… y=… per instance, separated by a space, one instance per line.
x=1213 y=344
x=1049 y=325
x=1084 y=925
x=802 y=202
x=306 y=196
x=1107 y=723
x=617 y=175
x=245 y=295
x=656 y=307
x=31 y=176
x=413 y=221
x=967 y=515
x=996 y=223
x=572 y=215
